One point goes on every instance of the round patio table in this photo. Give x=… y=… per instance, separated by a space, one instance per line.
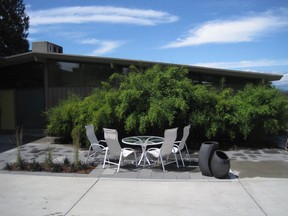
x=143 y=141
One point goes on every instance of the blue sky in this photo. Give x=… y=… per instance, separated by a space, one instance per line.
x=249 y=35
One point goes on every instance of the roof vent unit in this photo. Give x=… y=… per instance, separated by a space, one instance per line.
x=46 y=47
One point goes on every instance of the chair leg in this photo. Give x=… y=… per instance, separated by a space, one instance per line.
x=162 y=163
x=181 y=158
x=105 y=158
x=136 y=162
x=187 y=151
x=95 y=153
x=120 y=159
x=145 y=155
x=88 y=155
x=176 y=160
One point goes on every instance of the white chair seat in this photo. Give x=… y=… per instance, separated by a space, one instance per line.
x=127 y=151
x=166 y=149
x=114 y=149
x=154 y=151
x=175 y=149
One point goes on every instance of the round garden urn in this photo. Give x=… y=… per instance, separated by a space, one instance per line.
x=220 y=164
x=206 y=152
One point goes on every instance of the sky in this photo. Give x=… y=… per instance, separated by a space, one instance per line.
x=247 y=35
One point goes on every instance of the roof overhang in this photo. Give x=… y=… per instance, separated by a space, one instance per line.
x=43 y=57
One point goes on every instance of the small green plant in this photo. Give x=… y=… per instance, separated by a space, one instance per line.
x=74 y=167
x=57 y=167
x=66 y=161
x=76 y=143
x=21 y=164
x=19 y=136
x=84 y=166
x=48 y=162
x=35 y=166
x=8 y=166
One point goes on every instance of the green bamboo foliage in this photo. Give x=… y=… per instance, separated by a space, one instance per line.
x=149 y=101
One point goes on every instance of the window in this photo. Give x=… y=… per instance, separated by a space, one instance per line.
x=94 y=74
x=75 y=74
x=64 y=73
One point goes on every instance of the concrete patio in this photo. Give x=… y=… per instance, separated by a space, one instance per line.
x=244 y=163
x=257 y=185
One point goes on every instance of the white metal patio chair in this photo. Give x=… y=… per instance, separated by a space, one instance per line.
x=166 y=149
x=179 y=145
x=114 y=150
x=95 y=146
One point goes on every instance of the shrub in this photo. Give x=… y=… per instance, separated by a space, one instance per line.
x=62 y=118
x=155 y=99
x=262 y=110
x=202 y=114
x=149 y=101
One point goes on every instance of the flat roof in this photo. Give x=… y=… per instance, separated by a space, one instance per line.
x=43 y=57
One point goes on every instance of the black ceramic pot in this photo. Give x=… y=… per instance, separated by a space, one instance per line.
x=220 y=164
x=206 y=152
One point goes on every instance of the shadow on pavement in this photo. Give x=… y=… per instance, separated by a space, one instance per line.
x=8 y=141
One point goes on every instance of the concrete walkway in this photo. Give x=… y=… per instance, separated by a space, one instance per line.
x=51 y=195
x=257 y=185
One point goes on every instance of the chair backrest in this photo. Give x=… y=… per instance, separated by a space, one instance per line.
x=186 y=131
x=91 y=134
x=111 y=138
x=170 y=136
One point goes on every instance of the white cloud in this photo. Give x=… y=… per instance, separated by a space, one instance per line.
x=91 y=41
x=282 y=84
x=104 y=46
x=33 y=30
x=92 y=14
x=243 y=29
x=245 y=63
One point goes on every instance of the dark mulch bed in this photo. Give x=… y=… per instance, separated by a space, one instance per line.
x=81 y=168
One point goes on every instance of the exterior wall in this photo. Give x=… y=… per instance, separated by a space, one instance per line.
x=21 y=107
x=30 y=107
x=22 y=96
x=56 y=94
x=7 y=110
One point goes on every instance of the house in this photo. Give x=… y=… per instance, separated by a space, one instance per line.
x=32 y=82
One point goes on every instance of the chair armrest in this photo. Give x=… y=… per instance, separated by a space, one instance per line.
x=130 y=149
x=176 y=146
x=152 y=149
x=177 y=143
x=99 y=145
